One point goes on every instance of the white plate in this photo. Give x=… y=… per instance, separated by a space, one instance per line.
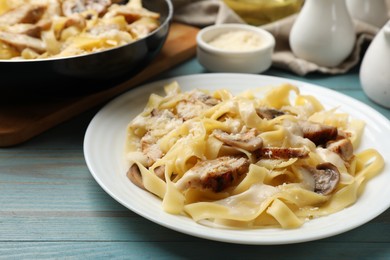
x=104 y=153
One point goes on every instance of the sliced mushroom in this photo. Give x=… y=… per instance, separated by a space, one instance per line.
x=342 y=147
x=135 y=176
x=268 y=113
x=326 y=178
x=26 y=13
x=282 y=153
x=160 y=172
x=248 y=140
x=217 y=174
x=318 y=133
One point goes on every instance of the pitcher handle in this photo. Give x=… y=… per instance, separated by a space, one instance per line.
x=386 y=30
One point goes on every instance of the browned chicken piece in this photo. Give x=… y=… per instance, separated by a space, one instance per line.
x=131 y=14
x=248 y=140
x=44 y=24
x=217 y=174
x=156 y=112
x=194 y=105
x=268 y=113
x=142 y=27
x=204 y=98
x=53 y=9
x=282 y=153
x=70 y=7
x=26 y=13
x=100 y=6
x=318 y=133
x=188 y=109
x=150 y=148
x=22 y=41
x=24 y=28
x=33 y=30
x=326 y=177
x=342 y=147
x=75 y=20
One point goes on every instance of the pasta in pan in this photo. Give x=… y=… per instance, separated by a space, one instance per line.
x=273 y=159
x=37 y=29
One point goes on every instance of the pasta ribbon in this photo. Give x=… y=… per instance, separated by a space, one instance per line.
x=40 y=29
x=249 y=161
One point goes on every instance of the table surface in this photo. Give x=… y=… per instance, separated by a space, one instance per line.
x=51 y=207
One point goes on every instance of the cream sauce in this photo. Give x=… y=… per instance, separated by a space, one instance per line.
x=237 y=41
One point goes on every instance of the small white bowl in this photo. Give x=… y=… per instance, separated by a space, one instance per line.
x=253 y=60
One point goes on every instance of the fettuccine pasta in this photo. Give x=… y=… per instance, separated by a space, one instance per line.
x=38 y=29
x=273 y=159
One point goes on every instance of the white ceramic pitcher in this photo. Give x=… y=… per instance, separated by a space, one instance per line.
x=323 y=32
x=373 y=12
x=375 y=68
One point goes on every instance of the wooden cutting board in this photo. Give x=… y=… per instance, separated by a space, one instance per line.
x=22 y=118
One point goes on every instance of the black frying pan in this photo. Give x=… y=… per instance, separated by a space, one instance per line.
x=89 y=72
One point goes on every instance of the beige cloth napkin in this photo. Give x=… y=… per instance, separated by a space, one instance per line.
x=207 y=12
x=284 y=58
x=204 y=12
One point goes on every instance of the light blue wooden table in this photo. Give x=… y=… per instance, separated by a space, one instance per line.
x=51 y=207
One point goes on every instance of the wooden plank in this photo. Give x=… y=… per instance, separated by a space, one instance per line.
x=118 y=226
x=199 y=249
